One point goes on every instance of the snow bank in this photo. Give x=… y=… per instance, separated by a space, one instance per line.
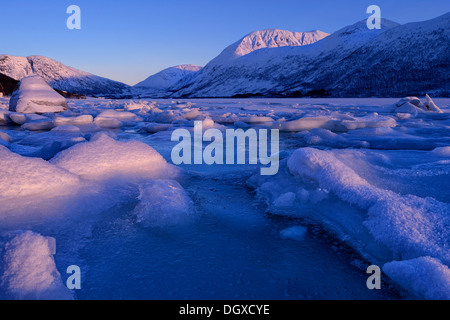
x=29 y=270
x=22 y=176
x=425 y=277
x=34 y=95
x=105 y=158
x=409 y=225
x=162 y=203
x=383 y=225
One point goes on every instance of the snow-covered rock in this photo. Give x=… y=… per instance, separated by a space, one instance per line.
x=34 y=95
x=29 y=270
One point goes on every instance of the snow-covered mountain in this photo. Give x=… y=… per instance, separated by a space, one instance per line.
x=354 y=61
x=159 y=83
x=59 y=76
x=270 y=38
x=412 y=59
x=273 y=70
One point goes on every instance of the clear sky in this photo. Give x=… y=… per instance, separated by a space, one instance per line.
x=130 y=40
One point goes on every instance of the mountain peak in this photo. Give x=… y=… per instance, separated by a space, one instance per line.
x=269 y=38
x=272 y=38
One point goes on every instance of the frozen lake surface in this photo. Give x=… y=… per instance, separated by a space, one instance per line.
x=361 y=182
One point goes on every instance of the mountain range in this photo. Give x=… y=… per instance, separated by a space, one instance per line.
x=396 y=60
x=60 y=76
x=158 y=84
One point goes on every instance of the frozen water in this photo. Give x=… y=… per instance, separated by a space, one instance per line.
x=162 y=203
x=360 y=183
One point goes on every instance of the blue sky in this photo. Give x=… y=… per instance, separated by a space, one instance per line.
x=130 y=40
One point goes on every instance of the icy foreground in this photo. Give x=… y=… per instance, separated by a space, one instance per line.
x=372 y=172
